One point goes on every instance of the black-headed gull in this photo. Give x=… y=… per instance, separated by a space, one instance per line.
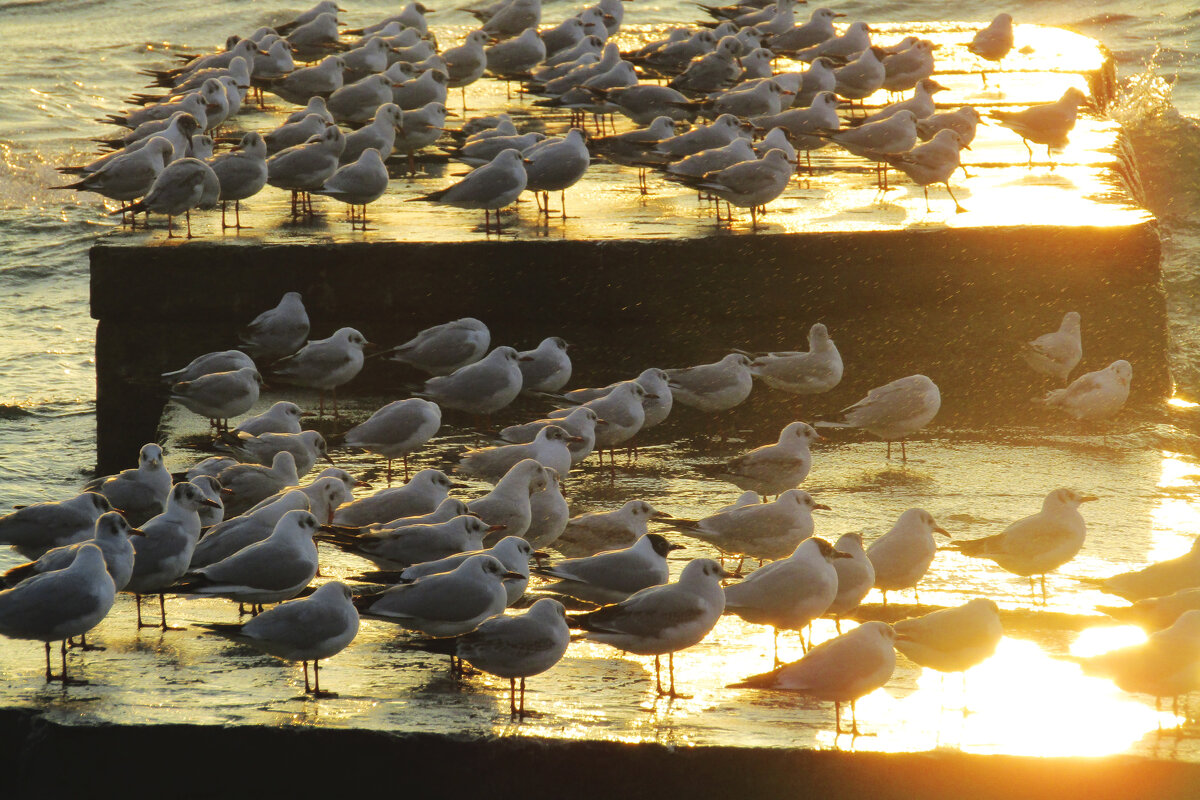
x=951 y=639
x=892 y=411
x=399 y=428
x=139 y=493
x=324 y=364
x=814 y=371
x=760 y=530
x=483 y=387
x=442 y=349
x=1047 y=124
x=1056 y=353
x=772 y=468
x=597 y=531
x=612 y=575
x=111 y=536
x=856 y=577
x=902 y=556
x=33 y=530
x=1094 y=395
x=420 y=495
x=277 y=332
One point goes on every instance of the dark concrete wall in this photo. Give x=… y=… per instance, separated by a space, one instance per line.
x=953 y=304
x=39 y=758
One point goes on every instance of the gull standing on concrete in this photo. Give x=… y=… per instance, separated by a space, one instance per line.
x=491 y=187
x=111 y=536
x=305 y=167
x=1039 y=543
x=306 y=629
x=421 y=495
x=466 y=63
x=581 y=422
x=848 y=46
x=277 y=332
x=549 y=448
x=713 y=387
x=300 y=86
x=518 y=646
x=762 y=530
x=220 y=396
x=509 y=503
x=856 y=577
x=952 y=639
x=813 y=372
x=35 y=529
x=511 y=551
x=547 y=367
x=176 y=190
x=245 y=485
x=447 y=603
x=750 y=184
x=282 y=417
x=128 y=176
x=1094 y=395
x=789 y=593
x=932 y=162
x=483 y=387
x=163 y=553
x=597 y=531
x=994 y=42
x=773 y=468
x=818 y=29
x=1055 y=354
x=622 y=410
x=276 y=569
x=298 y=132
x=242 y=174
x=358 y=184
x=1047 y=124
x=555 y=165
x=399 y=546
x=548 y=512
x=902 y=556
x=611 y=576
x=442 y=349
x=139 y=493
x=893 y=411
x=58 y=605
x=660 y=620
x=236 y=533
x=306 y=447
x=324 y=364
x=399 y=428
x=379 y=134
x=842 y=669
x=222 y=361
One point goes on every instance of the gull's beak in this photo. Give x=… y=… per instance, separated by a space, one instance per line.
x=822 y=507
x=575 y=439
x=942 y=531
x=671 y=547
x=727 y=574
x=459 y=486
x=526 y=358
x=210 y=503
x=1087 y=498
x=840 y=554
x=136 y=532
x=495 y=528
x=329 y=458
x=600 y=422
x=362 y=483
x=513 y=576
x=661 y=515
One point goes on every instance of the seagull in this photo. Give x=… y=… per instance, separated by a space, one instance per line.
x=127 y=176
x=419 y=128
x=139 y=493
x=818 y=29
x=242 y=173
x=164 y=551
x=211 y=488
x=921 y=103
x=1046 y=124
x=427 y=489
x=306 y=629
x=1039 y=543
x=306 y=167
x=773 y=468
x=549 y=448
x=612 y=575
x=842 y=669
x=548 y=512
x=58 y=605
x=36 y=529
x=910 y=68
x=301 y=85
x=278 y=332
x=952 y=639
x=512 y=59
x=281 y=417
x=511 y=551
x=222 y=361
x=856 y=577
x=509 y=503
x=1156 y=613
x=358 y=183
x=245 y=485
x=220 y=395
x=623 y=411
x=789 y=593
x=518 y=646
x=444 y=348
x=761 y=530
x=1157 y=580
x=893 y=411
x=598 y=531
x=862 y=77
x=932 y=162
x=902 y=556
x=1094 y=395
x=483 y=387
x=659 y=620
x=324 y=364
x=1167 y=664
x=580 y=424
x=849 y=45
x=237 y=533
x=813 y=372
x=112 y=534
x=399 y=428
x=447 y=603
x=396 y=547
x=379 y=134
x=547 y=367
x=296 y=133
x=276 y=569
x=1055 y=354
x=491 y=187
x=994 y=42
x=713 y=387
x=176 y=190
x=750 y=184
x=657 y=399
x=306 y=447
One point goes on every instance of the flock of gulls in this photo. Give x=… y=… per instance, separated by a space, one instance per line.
x=709 y=109
x=245 y=525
